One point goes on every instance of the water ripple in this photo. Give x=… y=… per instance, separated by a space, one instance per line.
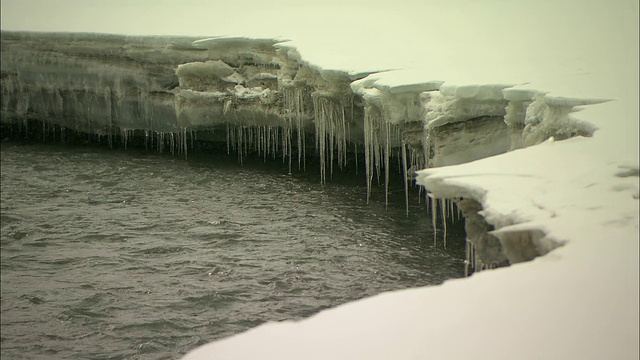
x=115 y=255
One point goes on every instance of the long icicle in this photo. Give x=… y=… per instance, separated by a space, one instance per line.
x=443 y=207
x=406 y=180
x=434 y=217
x=329 y=114
x=184 y=142
x=386 y=167
x=289 y=146
x=367 y=152
x=467 y=256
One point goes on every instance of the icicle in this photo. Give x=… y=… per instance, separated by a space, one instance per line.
x=434 y=218
x=259 y=140
x=184 y=142
x=300 y=149
x=284 y=147
x=443 y=208
x=467 y=256
x=452 y=215
x=250 y=137
x=289 y=147
x=269 y=140
x=367 y=151
x=172 y=143
x=406 y=180
x=295 y=105
x=239 y=144
x=374 y=154
x=331 y=135
x=298 y=108
x=267 y=135
x=386 y=167
x=304 y=146
x=275 y=142
x=159 y=141
x=377 y=148
x=245 y=141
x=341 y=139
x=426 y=200
x=256 y=140
x=265 y=143
x=320 y=124
x=474 y=258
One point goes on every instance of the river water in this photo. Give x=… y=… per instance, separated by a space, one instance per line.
x=111 y=254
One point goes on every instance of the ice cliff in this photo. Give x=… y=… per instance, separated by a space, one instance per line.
x=259 y=91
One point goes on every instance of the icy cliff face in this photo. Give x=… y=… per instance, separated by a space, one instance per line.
x=260 y=95
x=93 y=83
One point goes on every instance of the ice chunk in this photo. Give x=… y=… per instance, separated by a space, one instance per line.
x=478 y=92
x=212 y=68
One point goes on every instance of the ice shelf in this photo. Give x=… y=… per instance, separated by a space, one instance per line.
x=261 y=95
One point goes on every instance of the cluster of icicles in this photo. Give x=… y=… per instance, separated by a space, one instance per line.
x=332 y=134
x=382 y=141
x=380 y=137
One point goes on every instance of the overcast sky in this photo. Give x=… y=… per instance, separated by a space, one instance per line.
x=214 y=17
x=191 y=17
x=491 y=37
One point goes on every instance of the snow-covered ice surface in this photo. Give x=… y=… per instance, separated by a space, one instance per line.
x=580 y=301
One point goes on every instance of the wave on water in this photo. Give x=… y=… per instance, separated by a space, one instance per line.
x=100 y=259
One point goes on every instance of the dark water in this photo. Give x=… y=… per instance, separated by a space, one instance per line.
x=110 y=254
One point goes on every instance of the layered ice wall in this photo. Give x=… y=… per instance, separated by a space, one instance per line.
x=109 y=84
x=260 y=96
x=251 y=93
x=93 y=83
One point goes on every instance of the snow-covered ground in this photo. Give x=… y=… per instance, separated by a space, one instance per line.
x=578 y=302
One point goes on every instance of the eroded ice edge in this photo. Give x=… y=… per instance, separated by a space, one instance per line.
x=577 y=187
